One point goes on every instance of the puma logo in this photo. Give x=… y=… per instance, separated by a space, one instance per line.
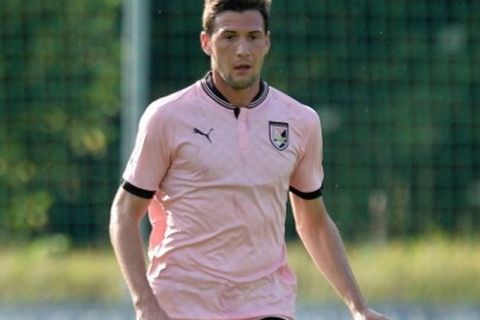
x=206 y=135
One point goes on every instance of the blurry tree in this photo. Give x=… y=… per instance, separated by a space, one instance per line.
x=396 y=83
x=59 y=98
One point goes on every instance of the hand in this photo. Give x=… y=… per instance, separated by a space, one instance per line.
x=369 y=314
x=151 y=311
x=151 y=315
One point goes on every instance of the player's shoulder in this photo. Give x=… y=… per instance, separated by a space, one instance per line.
x=171 y=104
x=292 y=105
x=173 y=100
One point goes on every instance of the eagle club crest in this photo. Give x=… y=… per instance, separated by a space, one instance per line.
x=279 y=134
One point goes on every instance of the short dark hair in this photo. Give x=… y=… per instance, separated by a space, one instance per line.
x=213 y=8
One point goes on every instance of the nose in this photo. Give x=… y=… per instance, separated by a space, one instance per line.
x=243 y=48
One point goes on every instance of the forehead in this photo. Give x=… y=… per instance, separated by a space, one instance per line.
x=250 y=20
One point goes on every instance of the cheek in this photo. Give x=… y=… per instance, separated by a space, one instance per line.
x=261 y=56
x=222 y=55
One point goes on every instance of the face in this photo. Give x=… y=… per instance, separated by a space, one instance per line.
x=237 y=47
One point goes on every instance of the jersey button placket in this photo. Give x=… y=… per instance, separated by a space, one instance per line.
x=242 y=131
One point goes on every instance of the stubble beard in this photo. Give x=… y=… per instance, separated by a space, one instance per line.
x=240 y=84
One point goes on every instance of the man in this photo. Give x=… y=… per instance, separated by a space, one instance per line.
x=213 y=164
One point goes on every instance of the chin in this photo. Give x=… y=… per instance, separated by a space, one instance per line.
x=242 y=84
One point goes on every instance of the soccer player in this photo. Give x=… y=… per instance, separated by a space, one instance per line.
x=214 y=164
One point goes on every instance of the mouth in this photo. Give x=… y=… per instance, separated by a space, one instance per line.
x=242 y=67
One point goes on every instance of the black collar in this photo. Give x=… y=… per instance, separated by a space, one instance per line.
x=212 y=91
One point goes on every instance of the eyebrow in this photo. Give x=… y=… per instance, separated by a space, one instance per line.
x=227 y=31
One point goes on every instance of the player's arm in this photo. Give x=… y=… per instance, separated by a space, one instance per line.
x=322 y=240
x=125 y=216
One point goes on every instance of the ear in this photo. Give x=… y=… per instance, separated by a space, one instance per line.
x=205 y=41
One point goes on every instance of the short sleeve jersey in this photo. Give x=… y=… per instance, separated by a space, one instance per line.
x=221 y=177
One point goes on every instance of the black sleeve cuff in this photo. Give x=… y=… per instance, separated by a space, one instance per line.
x=142 y=193
x=307 y=195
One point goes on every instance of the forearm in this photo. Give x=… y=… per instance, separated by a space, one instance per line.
x=326 y=248
x=127 y=244
x=126 y=213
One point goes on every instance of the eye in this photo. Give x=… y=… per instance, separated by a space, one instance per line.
x=229 y=36
x=254 y=36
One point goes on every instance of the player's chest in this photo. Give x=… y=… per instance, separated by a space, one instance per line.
x=261 y=149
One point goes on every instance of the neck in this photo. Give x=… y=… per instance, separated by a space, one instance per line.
x=237 y=97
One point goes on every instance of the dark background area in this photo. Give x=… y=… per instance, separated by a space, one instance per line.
x=396 y=84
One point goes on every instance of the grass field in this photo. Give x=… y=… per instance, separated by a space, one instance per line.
x=430 y=270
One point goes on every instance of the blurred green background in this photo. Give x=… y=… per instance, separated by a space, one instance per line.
x=396 y=84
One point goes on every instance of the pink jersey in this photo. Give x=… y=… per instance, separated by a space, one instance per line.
x=221 y=177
